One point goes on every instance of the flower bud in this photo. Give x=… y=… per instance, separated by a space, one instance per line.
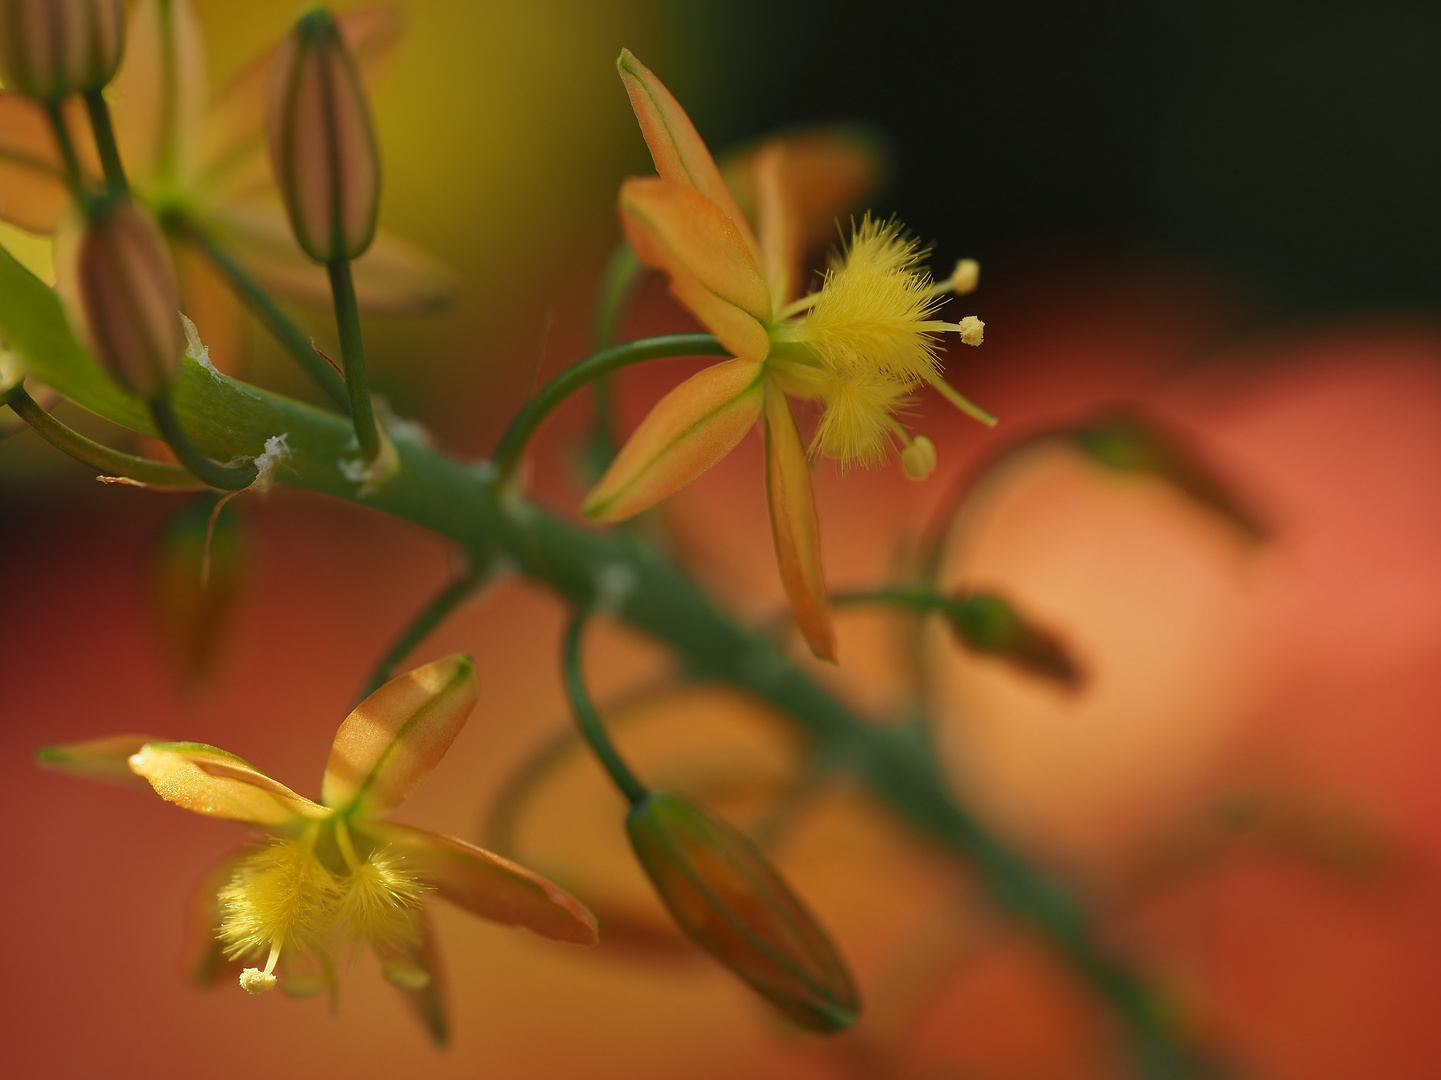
x=730 y=902
x=322 y=146
x=197 y=572
x=121 y=289
x=51 y=48
x=985 y=623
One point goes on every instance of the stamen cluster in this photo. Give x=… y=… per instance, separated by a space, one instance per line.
x=863 y=342
x=285 y=897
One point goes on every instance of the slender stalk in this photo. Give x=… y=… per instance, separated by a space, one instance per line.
x=617 y=283
x=115 y=182
x=111 y=462
x=512 y=443
x=224 y=477
x=291 y=337
x=588 y=720
x=352 y=356
x=985 y=623
x=425 y=621
x=67 y=149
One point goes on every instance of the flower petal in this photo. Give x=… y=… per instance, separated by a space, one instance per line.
x=204 y=958
x=33 y=193
x=392 y=740
x=106 y=759
x=210 y=781
x=817 y=176
x=793 y=524
x=413 y=968
x=677 y=229
x=160 y=91
x=230 y=154
x=487 y=885
x=688 y=431
x=680 y=154
x=393 y=276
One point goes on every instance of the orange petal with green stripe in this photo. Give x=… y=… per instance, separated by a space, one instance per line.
x=794 y=526
x=680 y=154
x=677 y=229
x=688 y=431
x=393 y=739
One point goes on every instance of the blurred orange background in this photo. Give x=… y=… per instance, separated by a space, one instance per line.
x=1243 y=792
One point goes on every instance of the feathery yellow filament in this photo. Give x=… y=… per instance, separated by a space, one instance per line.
x=379 y=901
x=281 y=896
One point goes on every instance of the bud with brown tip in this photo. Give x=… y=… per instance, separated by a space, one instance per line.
x=52 y=48
x=120 y=288
x=729 y=901
x=322 y=146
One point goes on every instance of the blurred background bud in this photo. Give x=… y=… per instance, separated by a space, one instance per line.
x=730 y=902
x=322 y=145
x=986 y=623
x=113 y=271
x=51 y=48
x=1128 y=442
x=192 y=597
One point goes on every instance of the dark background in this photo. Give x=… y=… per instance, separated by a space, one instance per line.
x=1285 y=151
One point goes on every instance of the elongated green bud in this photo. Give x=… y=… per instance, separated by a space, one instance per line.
x=121 y=288
x=322 y=146
x=732 y=903
x=52 y=48
x=986 y=623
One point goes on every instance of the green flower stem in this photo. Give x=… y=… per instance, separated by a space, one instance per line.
x=588 y=720
x=593 y=367
x=352 y=355
x=617 y=284
x=290 y=336
x=73 y=174
x=155 y=474
x=426 y=620
x=916 y=599
x=115 y=183
x=224 y=477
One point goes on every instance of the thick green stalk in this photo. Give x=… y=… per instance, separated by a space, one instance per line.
x=352 y=357
x=222 y=477
x=593 y=367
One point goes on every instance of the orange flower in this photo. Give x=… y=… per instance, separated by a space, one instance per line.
x=200 y=156
x=858 y=346
x=334 y=871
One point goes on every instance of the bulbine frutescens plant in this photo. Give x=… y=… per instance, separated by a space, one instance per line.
x=732 y=244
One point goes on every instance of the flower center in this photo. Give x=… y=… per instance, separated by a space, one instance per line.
x=867 y=339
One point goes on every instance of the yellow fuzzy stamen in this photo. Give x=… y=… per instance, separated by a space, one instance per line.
x=872 y=315
x=379 y=900
x=280 y=896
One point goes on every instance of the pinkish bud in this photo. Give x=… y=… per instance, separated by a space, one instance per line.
x=51 y=48
x=322 y=146
x=119 y=286
x=729 y=901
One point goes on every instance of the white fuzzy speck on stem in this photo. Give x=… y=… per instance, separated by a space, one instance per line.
x=195 y=348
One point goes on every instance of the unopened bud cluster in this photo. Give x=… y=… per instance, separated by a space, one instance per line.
x=729 y=901
x=322 y=146
x=52 y=48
